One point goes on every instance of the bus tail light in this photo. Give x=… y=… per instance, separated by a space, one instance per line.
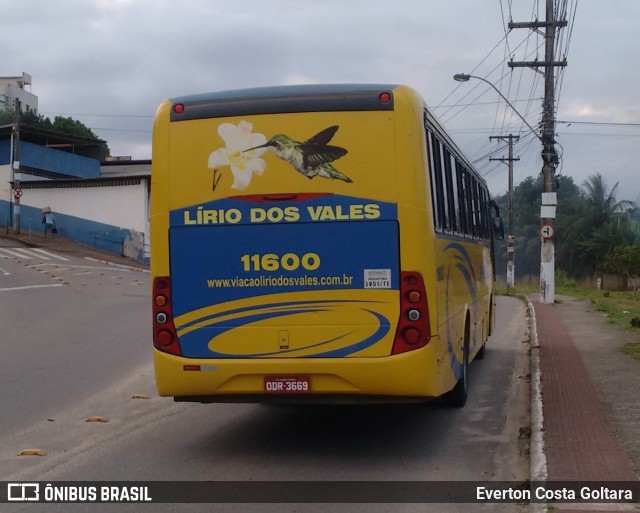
x=413 y=330
x=165 y=338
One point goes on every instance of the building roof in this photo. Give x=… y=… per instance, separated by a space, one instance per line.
x=73 y=183
x=77 y=144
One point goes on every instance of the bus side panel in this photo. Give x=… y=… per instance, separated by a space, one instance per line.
x=463 y=289
x=159 y=222
x=418 y=245
x=456 y=270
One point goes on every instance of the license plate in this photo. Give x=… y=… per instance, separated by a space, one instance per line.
x=287 y=384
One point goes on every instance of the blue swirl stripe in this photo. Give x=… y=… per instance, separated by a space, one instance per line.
x=464 y=266
x=197 y=336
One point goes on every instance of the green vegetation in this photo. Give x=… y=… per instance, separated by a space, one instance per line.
x=60 y=124
x=597 y=235
x=591 y=223
x=618 y=307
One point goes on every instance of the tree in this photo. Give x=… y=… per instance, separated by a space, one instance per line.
x=72 y=126
x=605 y=239
x=60 y=124
x=623 y=261
x=598 y=225
x=602 y=203
x=526 y=206
x=590 y=222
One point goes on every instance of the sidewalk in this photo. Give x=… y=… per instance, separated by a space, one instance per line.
x=59 y=244
x=590 y=399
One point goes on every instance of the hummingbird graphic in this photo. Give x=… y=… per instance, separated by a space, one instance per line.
x=312 y=157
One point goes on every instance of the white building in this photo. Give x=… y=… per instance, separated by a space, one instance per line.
x=106 y=206
x=14 y=93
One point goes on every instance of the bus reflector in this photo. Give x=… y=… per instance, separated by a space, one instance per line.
x=413 y=330
x=165 y=338
x=411 y=336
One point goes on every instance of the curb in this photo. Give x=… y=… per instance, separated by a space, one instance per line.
x=537 y=458
x=121 y=266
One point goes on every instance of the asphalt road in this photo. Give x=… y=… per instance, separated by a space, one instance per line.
x=76 y=343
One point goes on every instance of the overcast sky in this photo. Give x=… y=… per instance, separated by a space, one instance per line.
x=109 y=64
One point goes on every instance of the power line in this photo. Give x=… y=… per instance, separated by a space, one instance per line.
x=123 y=130
x=601 y=123
x=97 y=115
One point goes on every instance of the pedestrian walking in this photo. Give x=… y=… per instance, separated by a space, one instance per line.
x=49 y=221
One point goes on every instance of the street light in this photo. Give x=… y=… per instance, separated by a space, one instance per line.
x=463 y=77
x=547 y=256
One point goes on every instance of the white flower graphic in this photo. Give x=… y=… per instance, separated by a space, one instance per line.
x=243 y=163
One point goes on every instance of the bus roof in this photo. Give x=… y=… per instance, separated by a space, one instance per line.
x=301 y=98
x=284 y=99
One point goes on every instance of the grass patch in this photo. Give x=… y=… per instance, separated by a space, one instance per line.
x=632 y=349
x=618 y=307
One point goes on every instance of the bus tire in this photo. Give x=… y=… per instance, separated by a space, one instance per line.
x=491 y=320
x=457 y=396
x=483 y=350
x=481 y=353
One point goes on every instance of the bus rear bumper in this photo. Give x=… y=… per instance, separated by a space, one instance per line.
x=407 y=377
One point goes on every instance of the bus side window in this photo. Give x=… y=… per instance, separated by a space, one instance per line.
x=476 y=208
x=498 y=226
x=440 y=196
x=486 y=222
x=464 y=226
x=452 y=190
x=469 y=202
x=437 y=219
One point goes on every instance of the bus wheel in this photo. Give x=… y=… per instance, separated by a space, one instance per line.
x=457 y=397
x=491 y=319
x=483 y=349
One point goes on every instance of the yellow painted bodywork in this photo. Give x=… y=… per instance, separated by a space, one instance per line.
x=387 y=162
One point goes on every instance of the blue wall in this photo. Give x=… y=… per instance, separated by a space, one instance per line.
x=49 y=159
x=98 y=235
x=5 y=152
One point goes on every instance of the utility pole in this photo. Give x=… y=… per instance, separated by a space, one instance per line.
x=511 y=269
x=549 y=155
x=15 y=169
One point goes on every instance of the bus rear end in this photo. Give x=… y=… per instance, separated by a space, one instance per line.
x=276 y=253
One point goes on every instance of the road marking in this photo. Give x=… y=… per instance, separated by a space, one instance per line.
x=49 y=254
x=9 y=289
x=15 y=254
x=4 y=272
x=120 y=269
x=30 y=253
x=27 y=253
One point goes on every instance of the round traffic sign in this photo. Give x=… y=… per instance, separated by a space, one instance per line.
x=547 y=231
x=17 y=193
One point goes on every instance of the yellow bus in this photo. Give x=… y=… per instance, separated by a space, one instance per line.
x=324 y=243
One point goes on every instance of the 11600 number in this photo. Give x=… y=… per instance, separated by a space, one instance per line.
x=273 y=262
